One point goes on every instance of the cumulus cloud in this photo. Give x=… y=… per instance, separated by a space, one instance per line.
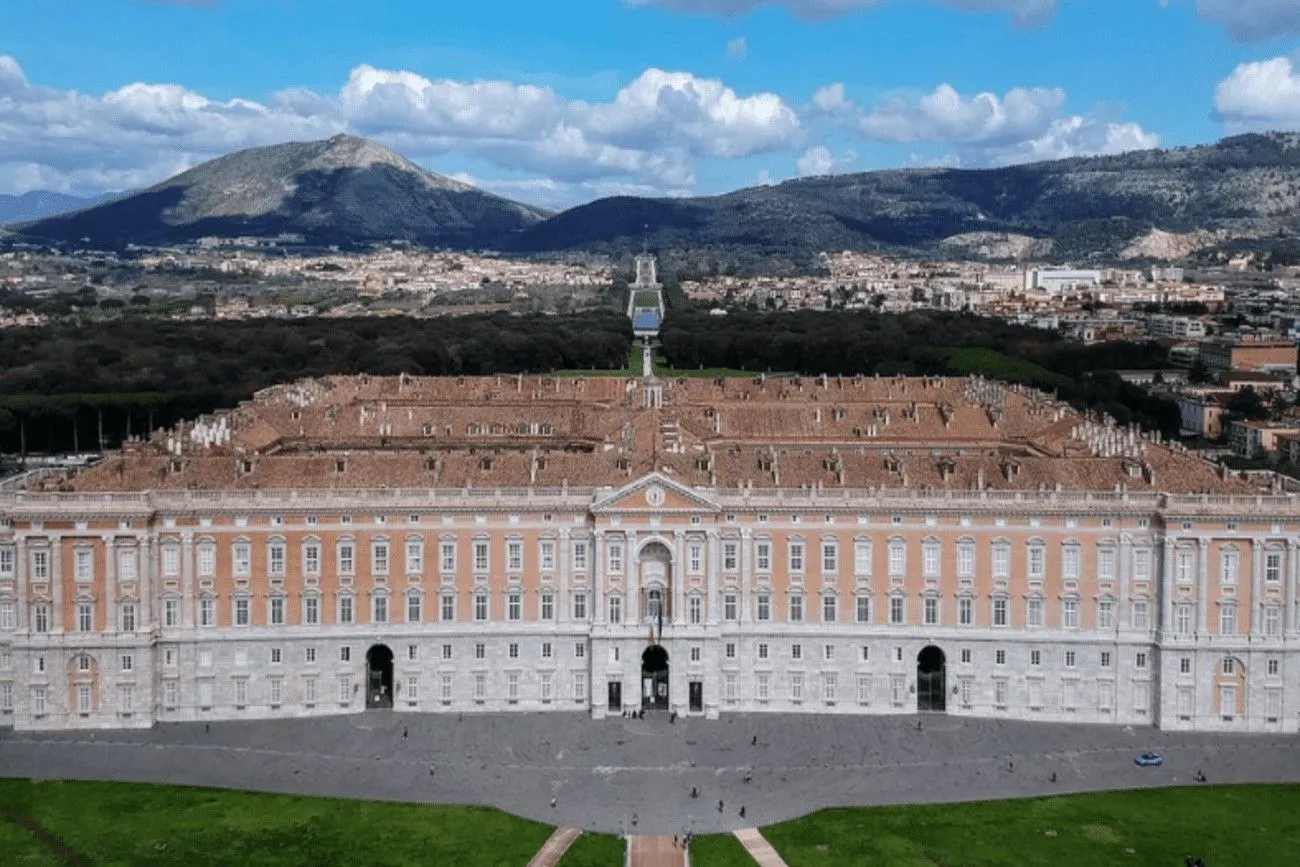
x=1253 y=20
x=990 y=129
x=831 y=100
x=819 y=160
x=1259 y=95
x=648 y=136
x=1026 y=13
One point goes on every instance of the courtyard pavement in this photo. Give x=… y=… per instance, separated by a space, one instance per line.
x=602 y=773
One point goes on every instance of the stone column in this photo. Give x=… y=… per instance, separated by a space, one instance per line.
x=56 y=583
x=1125 y=556
x=746 y=577
x=1166 y=585
x=145 y=582
x=713 y=564
x=1203 y=587
x=598 y=577
x=565 y=554
x=632 y=580
x=187 y=580
x=110 y=584
x=678 y=577
x=20 y=577
x=1256 y=586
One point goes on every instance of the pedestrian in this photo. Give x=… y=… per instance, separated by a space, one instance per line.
x=672 y=717
x=719 y=806
x=1053 y=776
x=742 y=811
x=918 y=725
x=695 y=793
x=1011 y=765
x=431 y=769
x=634 y=820
x=749 y=776
x=404 y=732
x=753 y=742
x=552 y=803
x=207 y=728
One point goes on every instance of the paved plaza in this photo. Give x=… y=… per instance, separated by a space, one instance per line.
x=602 y=775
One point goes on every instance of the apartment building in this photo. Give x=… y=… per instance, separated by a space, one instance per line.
x=587 y=545
x=1258 y=355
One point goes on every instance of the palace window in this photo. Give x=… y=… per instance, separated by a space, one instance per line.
x=345 y=609
x=579 y=606
x=764 y=607
x=1001 y=553
x=931 y=611
x=311 y=610
x=930 y=559
x=547 y=606
x=85 y=565
x=480 y=607
x=379 y=608
x=414 y=557
x=1273 y=566
x=207 y=611
x=347 y=558
x=1106 y=563
x=241 y=560
x=828 y=608
x=1070 y=563
x=171 y=560
x=616 y=557
x=1070 y=614
x=241 y=611
x=126 y=617
x=379 y=558
x=730 y=557
x=1000 y=606
x=862 y=557
x=965 y=611
x=729 y=607
x=897 y=558
x=579 y=555
x=275 y=558
x=1229 y=566
x=1228 y=620
x=830 y=557
x=1184 y=564
x=207 y=556
x=966 y=559
x=447 y=562
x=897 y=610
x=763 y=556
x=85 y=617
x=695 y=609
x=1037 y=562
x=796 y=609
x=862 y=607
x=796 y=556
x=447 y=612
x=481 y=558
x=311 y=558
x=546 y=555
x=276 y=612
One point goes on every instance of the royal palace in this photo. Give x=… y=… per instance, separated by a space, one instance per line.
x=598 y=544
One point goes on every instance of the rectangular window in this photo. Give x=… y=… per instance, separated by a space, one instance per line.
x=1273 y=566
x=311 y=558
x=447 y=563
x=1037 y=562
x=275 y=558
x=763 y=686
x=580 y=606
x=796 y=556
x=207 y=611
x=730 y=559
x=830 y=557
x=1105 y=659
x=379 y=609
x=1229 y=567
x=40 y=617
x=1000 y=611
x=379 y=558
x=85 y=617
x=480 y=607
x=1140 y=660
x=695 y=609
x=207 y=560
x=796 y=609
x=546 y=555
x=445 y=687
x=1000 y=693
x=1070 y=562
x=931 y=611
x=241 y=559
x=1183 y=618
x=6 y=560
x=966 y=559
x=897 y=558
x=514 y=556
x=481 y=559
x=1228 y=620
x=1034 y=612
x=40 y=560
x=414 y=607
x=448 y=612
x=277 y=611
x=1070 y=614
x=862 y=609
x=1001 y=560
x=126 y=699
x=828 y=609
x=414 y=557
x=579 y=686
x=345 y=609
x=514 y=606
x=8 y=614
x=545 y=686
x=965 y=611
x=1272 y=618
x=730 y=608
x=763 y=556
x=347 y=558
x=1141 y=564
x=862 y=557
x=241 y=611
x=1106 y=614
x=171 y=694
x=896 y=612
x=1140 y=614
x=547 y=606
x=1106 y=564
x=764 y=607
x=345 y=689
x=126 y=617
x=616 y=609
x=616 y=557
x=85 y=563
x=695 y=558
x=311 y=610
x=796 y=686
x=580 y=556
x=897 y=689
x=1184 y=566
x=930 y=559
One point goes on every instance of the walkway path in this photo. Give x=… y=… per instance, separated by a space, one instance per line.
x=599 y=772
x=655 y=852
x=554 y=847
x=758 y=848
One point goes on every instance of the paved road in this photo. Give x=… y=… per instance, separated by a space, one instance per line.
x=600 y=773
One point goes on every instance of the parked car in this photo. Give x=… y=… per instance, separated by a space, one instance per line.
x=1149 y=760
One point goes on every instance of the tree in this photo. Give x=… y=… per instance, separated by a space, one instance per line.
x=1247 y=404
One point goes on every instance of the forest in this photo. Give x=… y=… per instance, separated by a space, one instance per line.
x=72 y=387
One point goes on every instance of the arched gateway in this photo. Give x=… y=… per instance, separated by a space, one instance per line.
x=931 y=680
x=654 y=678
x=379 y=677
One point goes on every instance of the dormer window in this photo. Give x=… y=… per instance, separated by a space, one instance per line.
x=485 y=463
x=245 y=466
x=340 y=466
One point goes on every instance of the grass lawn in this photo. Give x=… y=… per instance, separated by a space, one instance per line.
x=595 y=850
x=1226 y=825
x=633 y=369
x=996 y=365
x=719 y=850
x=129 y=824
x=646 y=299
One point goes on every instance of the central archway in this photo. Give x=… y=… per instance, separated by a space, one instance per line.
x=654 y=678
x=379 y=677
x=931 y=680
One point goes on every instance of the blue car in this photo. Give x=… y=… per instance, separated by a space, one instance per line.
x=1149 y=760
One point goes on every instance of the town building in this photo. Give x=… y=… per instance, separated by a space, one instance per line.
x=1255 y=439
x=1260 y=355
x=705 y=546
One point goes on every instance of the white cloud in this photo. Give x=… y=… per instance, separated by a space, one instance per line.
x=738 y=48
x=1027 y=13
x=1260 y=95
x=819 y=160
x=647 y=137
x=946 y=115
x=831 y=100
x=1076 y=136
x=1253 y=20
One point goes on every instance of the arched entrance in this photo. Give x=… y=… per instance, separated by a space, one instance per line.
x=656 y=577
x=379 y=677
x=654 y=678
x=931 y=680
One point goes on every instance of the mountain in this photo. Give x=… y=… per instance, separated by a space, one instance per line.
x=1245 y=187
x=38 y=204
x=344 y=190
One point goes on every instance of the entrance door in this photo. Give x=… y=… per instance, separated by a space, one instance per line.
x=654 y=678
x=931 y=680
x=696 y=690
x=379 y=677
x=616 y=695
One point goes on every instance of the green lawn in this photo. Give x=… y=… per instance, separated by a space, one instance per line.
x=1228 y=825
x=129 y=824
x=646 y=299
x=996 y=365
x=595 y=850
x=661 y=370
x=719 y=850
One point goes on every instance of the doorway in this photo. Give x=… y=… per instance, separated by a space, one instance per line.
x=379 y=677
x=696 y=694
x=615 y=695
x=931 y=680
x=654 y=678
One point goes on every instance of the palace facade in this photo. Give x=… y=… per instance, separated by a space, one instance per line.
x=819 y=545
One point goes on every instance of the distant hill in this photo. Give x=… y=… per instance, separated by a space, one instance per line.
x=39 y=204
x=1243 y=187
x=344 y=190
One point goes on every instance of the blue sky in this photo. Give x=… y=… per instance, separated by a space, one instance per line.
x=557 y=103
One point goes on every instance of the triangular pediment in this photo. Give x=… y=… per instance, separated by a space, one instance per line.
x=652 y=494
